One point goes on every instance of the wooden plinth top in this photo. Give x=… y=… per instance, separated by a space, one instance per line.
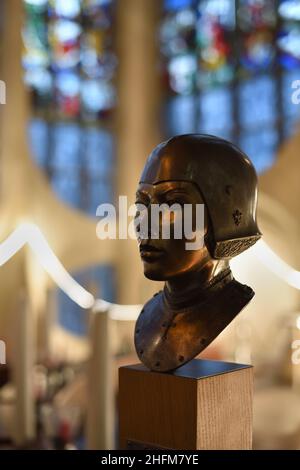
x=197 y=369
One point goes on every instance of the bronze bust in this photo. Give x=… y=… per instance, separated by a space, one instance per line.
x=200 y=296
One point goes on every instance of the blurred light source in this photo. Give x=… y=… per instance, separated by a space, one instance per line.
x=116 y=311
x=37 y=3
x=97 y=95
x=275 y=264
x=65 y=30
x=182 y=71
x=290 y=9
x=30 y=234
x=39 y=77
x=69 y=9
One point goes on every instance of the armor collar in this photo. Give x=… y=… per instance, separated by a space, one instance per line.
x=168 y=336
x=180 y=301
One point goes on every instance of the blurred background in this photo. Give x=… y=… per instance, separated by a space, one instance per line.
x=91 y=86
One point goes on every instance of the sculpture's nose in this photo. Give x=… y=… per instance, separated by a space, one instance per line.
x=147 y=225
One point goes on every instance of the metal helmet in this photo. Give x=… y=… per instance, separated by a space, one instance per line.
x=226 y=180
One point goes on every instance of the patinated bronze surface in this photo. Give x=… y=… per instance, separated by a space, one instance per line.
x=200 y=297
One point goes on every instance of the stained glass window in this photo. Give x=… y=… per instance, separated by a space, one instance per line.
x=228 y=68
x=97 y=279
x=69 y=66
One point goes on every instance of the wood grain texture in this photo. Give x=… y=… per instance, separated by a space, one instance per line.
x=179 y=412
x=224 y=410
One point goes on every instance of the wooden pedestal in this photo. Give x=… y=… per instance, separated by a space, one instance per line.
x=203 y=405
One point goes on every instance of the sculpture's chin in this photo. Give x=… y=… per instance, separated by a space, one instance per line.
x=154 y=273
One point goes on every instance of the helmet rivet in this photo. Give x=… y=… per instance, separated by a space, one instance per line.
x=237 y=217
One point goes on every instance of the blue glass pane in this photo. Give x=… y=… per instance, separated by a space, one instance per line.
x=104 y=278
x=289 y=45
x=66 y=145
x=180 y=115
x=100 y=192
x=98 y=152
x=67 y=186
x=218 y=11
x=73 y=150
x=261 y=147
x=38 y=141
x=177 y=4
x=69 y=9
x=216 y=112
x=71 y=316
x=100 y=281
x=257 y=102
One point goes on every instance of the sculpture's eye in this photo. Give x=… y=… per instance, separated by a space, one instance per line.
x=140 y=208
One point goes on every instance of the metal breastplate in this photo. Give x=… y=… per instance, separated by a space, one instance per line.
x=166 y=338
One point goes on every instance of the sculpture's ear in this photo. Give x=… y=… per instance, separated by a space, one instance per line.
x=226 y=249
x=229 y=248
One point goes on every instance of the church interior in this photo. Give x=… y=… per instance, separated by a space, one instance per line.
x=87 y=89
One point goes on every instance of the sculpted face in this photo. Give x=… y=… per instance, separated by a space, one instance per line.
x=166 y=259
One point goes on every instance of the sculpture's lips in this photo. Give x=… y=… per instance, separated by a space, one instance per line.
x=150 y=252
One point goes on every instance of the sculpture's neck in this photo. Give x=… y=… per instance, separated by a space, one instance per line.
x=183 y=290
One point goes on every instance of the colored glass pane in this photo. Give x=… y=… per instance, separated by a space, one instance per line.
x=260 y=146
x=256 y=14
x=247 y=58
x=216 y=112
x=215 y=25
x=68 y=57
x=257 y=102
